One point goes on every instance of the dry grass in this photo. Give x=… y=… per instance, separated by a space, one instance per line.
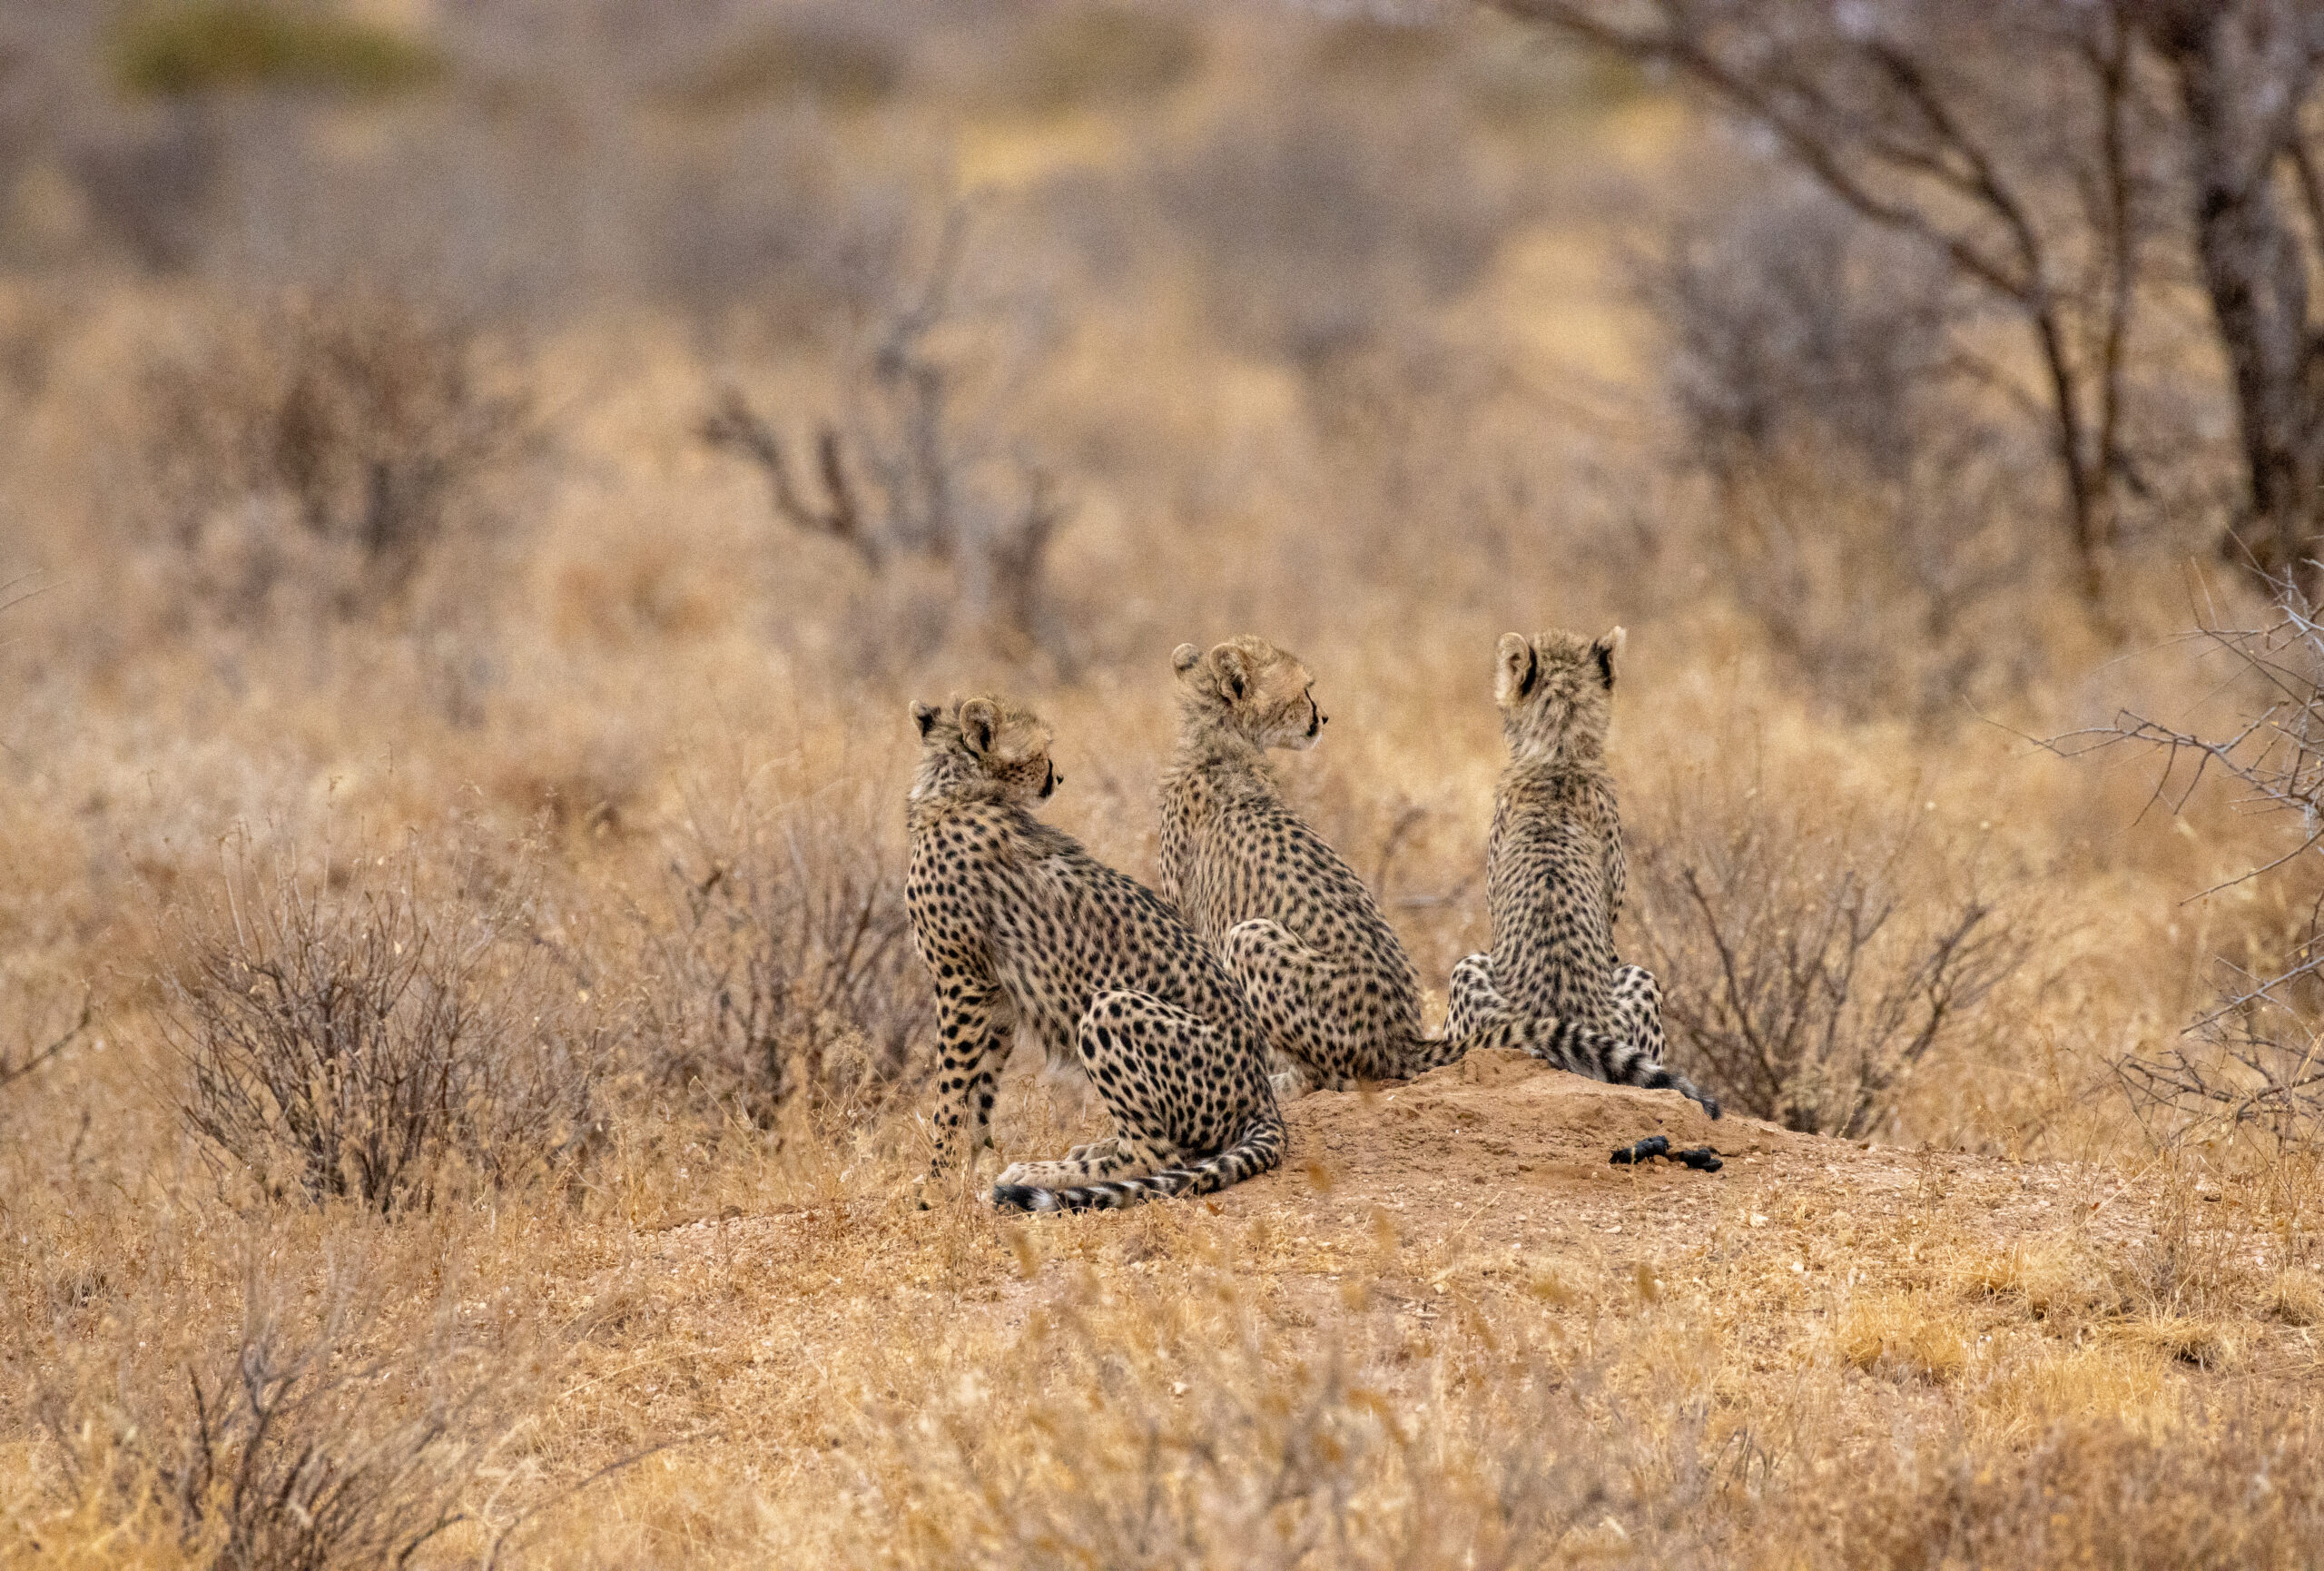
x=566 y=785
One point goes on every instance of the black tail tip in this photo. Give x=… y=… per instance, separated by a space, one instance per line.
x=1023 y=1198
x=1710 y=1107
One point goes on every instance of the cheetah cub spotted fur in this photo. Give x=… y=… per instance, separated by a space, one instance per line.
x=1017 y=923
x=1554 y=869
x=1339 y=997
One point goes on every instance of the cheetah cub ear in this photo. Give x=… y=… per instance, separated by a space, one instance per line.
x=1184 y=658
x=923 y=715
x=979 y=720
x=1234 y=675
x=1519 y=668
x=1609 y=650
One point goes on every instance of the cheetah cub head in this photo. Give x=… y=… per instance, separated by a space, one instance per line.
x=1249 y=689
x=1555 y=691
x=984 y=746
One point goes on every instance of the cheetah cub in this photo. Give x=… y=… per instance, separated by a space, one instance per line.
x=1554 y=869
x=1302 y=934
x=1339 y=997
x=1017 y=923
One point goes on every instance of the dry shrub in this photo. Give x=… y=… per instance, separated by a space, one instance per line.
x=786 y=978
x=1885 y=593
x=2259 y=1062
x=1811 y=963
x=292 y=1447
x=927 y=482
x=1791 y=321
x=2256 y=1061
x=1859 y=488
x=323 y=449
x=363 y=1033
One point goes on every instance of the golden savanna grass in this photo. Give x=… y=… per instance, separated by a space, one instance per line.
x=608 y=757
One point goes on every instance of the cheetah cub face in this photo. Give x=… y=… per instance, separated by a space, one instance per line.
x=1555 y=690
x=1248 y=687
x=984 y=746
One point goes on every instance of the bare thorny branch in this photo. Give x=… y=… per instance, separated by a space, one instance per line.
x=911 y=477
x=2257 y=1059
x=15 y=1067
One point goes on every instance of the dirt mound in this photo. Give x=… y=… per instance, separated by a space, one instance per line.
x=1517 y=1152
x=1498 y=1110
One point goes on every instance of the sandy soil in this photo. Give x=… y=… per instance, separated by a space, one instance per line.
x=1486 y=1178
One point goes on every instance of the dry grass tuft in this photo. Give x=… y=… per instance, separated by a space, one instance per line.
x=1906 y=1336
x=2205 y=1344
x=2053 y=1280
x=2297 y=1299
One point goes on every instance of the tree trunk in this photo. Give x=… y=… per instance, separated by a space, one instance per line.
x=2242 y=69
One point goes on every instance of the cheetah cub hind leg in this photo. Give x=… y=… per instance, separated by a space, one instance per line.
x=1472 y=996
x=1634 y=1009
x=1290 y=986
x=1141 y=1054
x=1117 y=1025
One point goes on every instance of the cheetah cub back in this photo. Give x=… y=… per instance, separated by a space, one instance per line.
x=1555 y=873
x=1017 y=923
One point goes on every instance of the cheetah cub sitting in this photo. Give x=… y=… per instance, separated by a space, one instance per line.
x=1554 y=869
x=1302 y=934
x=1016 y=922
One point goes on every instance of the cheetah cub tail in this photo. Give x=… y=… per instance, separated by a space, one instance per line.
x=1581 y=1049
x=1260 y=1150
x=1651 y=1076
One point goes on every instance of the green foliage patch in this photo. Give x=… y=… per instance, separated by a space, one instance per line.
x=174 y=51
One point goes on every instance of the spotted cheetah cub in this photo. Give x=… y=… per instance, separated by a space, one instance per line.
x=1301 y=933
x=1017 y=923
x=1554 y=869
